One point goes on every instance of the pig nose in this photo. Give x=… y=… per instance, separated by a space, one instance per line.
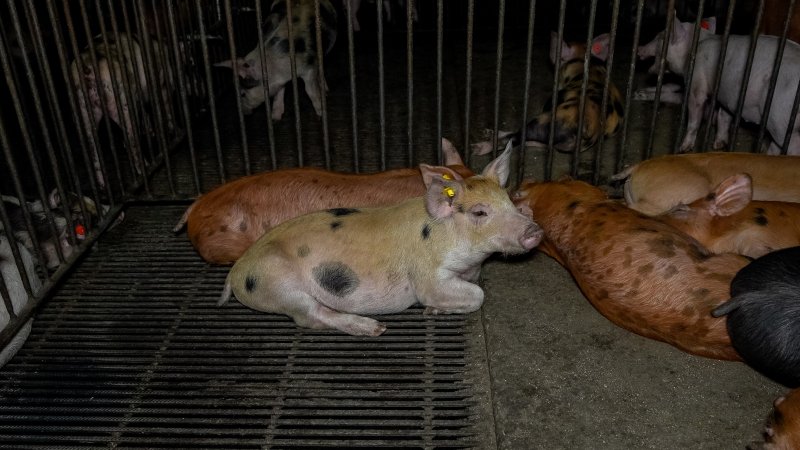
x=531 y=237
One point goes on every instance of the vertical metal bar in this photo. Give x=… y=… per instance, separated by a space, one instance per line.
x=381 y=85
x=410 y=78
x=212 y=106
x=139 y=85
x=598 y=154
x=295 y=92
x=13 y=88
x=637 y=28
x=576 y=153
x=236 y=88
x=498 y=68
x=468 y=87
x=689 y=73
x=550 y=158
x=352 y=66
x=648 y=151
x=751 y=52
x=181 y=79
x=792 y=119
x=439 y=43
x=526 y=91
x=773 y=79
x=265 y=82
x=66 y=147
x=323 y=85
x=723 y=51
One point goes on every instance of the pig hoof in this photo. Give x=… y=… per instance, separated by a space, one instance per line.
x=365 y=327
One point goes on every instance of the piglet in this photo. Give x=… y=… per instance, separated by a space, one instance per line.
x=18 y=297
x=726 y=221
x=330 y=268
x=641 y=274
x=657 y=185
x=223 y=223
x=764 y=315
x=782 y=431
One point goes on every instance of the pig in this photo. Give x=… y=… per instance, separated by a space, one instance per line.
x=764 y=315
x=638 y=272
x=17 y=293
x=657 y=185
x=727 y=221
x=101 y=92
x=277 y=56
x=596 y=122
x=782 y=430
x=704 y=76
x=223 y=223
x=387 y=9
x=330 y=268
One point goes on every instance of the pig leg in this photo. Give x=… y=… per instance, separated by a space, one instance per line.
x=307 y=312
x=355 y=5
x=125 y=120
x=723 y=129
x=696 y=103
x=277 y=104
x=311 y=81
x=454 y=296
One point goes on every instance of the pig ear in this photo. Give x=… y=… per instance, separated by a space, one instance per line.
x=567 y=52
x=54 y=199
x=600 y=46
x=499 y=169
x=679 y=31
x=732 y=195
x=451 y=156
x=444 y=186
x=709 y=24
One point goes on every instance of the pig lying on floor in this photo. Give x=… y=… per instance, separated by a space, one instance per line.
x=328 y=269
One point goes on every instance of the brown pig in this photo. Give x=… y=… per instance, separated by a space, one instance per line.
x=223 y=223
x=657 y=185
x=641 y=274
x=782 y=431
x=726 y=221
x=330 y=268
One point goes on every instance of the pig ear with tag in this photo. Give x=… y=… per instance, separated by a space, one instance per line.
x=732 y=195
x=600 y=46
x=444 y=188
x=499 y=169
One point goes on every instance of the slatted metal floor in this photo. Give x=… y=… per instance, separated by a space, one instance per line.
x=133 y=353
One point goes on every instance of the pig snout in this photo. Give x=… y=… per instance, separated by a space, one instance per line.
x=531 y=237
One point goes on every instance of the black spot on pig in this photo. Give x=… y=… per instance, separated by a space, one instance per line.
x=303 y=251
x=426 y=231
x=338 y=212
x=335 y=225
x=273 y=41
x=761 y=219
x=299 y=45
x=283 y=46
x=336 y=278
x=311 y=60
x=663 y=247
x=250 y=283
x=243 y=226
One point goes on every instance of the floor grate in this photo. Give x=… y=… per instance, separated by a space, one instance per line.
x=132 y=352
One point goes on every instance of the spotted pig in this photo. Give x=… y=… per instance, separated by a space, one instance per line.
x=223 y=223
x=782 y=431
x=328 y=269
x=276 y=48
x=726 y=221
x=641 y=274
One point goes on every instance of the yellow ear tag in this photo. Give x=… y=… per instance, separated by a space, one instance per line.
x=448 y=191
x=447 y=176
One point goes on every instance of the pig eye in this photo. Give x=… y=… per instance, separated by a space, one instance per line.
x=479 y=212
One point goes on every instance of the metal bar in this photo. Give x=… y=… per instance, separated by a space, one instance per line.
x=526 y=91
x=265 y=83
x=790 y=127
x=623 y=148
x=468 y=86
x=751 y=52
x=648 y=151
x=550 y=158
x=439 y=43
x=773 y=79
x=295 y=91
x=501 y=15
x=212 y=105
x=181 y=79
x=576 y=153
x=689 y=74
x=236 y=87
x=720 y=66
x=410 y=78
x=598 y=154
x=381 y=86
x=323 y=84
x=352 y=67
x=6 y=221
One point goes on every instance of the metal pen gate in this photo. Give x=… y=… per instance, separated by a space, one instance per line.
x=173 y=126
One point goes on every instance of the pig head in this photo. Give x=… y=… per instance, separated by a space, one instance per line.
x=782 y=430
x=639 y=273
x=727 y=221
x=328 y=269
